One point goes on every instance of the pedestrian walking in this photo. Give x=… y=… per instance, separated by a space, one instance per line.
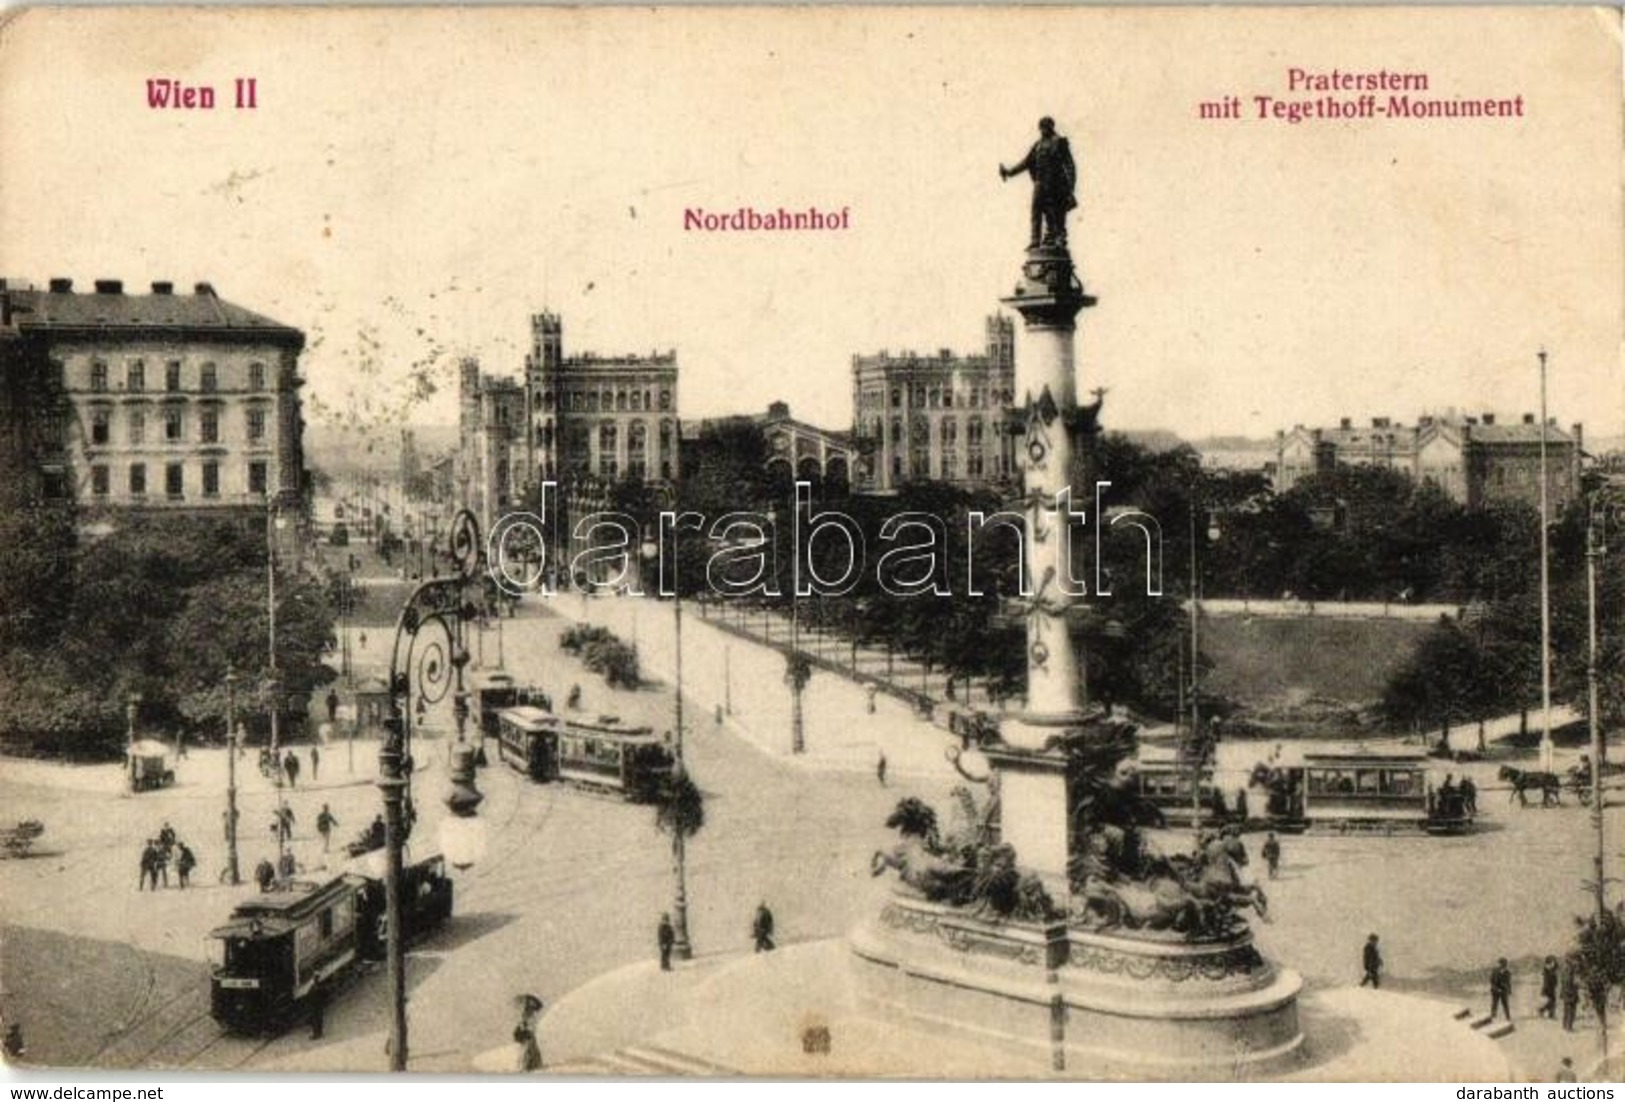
x=166 y=838
x=880 y=769
x=1569 y=992
x=1371 y=960
x=318 y=1011
x=282 y=825
x=265 y=874
x=761 y=929
x=290 y=766
x=1469 y=796
x=160 y=865
x=325 y=822
x=665 y=938
x=315 y=763
x=286 y=866
x=524 y=1034
x=363 y=640
x=185 y=862
x=149 y=865
x=1272 y=853
x=332 y=706
x=1548 y=988
x=1565 y=1073
x=869 y=697
x=1501 y=989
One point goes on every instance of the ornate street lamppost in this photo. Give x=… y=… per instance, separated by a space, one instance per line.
x=682 y=947
x=233 y=874
x=132 y=707
x=427 y=662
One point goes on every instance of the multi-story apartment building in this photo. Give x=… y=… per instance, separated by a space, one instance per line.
x=941 y=417
x=161 y=400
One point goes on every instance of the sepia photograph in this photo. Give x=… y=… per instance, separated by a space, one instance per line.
x=816 y=543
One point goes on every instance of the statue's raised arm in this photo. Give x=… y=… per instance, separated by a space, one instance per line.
x=1055 y=181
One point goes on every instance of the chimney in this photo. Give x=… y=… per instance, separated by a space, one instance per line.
x=202 y=289
x=109 y=287
x=1579 y=436
x=1489 y=419
x=163 y=287
x=60 y=286
x=1346 y=423
x=1529 y=418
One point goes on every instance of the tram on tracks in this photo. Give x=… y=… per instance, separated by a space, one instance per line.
x=1361 y=790
x=598 y=755
x=528 y=741
x=1166 y=786
x=282 y=949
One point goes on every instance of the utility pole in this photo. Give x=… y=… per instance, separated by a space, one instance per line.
x=1545 y=595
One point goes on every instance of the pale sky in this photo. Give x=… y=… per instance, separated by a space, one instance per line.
x=454 y=171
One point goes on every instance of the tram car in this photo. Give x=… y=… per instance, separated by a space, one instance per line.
x=599 y=755
x=1347 y=790
x=528 y=741
x=631 y=762
x=1166 y=785
x=496 y=693
x=281 y=949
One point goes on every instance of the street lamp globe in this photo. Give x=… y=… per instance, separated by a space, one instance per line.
x=462 y=833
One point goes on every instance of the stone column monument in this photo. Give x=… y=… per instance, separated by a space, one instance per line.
x=1050 y=922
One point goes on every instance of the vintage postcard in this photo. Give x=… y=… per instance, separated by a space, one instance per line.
x=832 y=542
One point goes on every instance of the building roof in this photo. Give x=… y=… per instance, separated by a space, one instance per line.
x=109 y=307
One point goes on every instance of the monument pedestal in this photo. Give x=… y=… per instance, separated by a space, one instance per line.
x=1086 y=1003
x=941 y=970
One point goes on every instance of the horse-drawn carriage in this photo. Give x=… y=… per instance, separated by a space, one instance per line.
x=149 y=765
x=1550 y=786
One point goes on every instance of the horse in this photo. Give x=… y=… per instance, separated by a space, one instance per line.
x=938 y=879
x=1550 y=785
x=1161 y=903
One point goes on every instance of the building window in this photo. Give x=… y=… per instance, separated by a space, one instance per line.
x=620 y=401
x=138 y=427
x=637 y=450
x=98 y=376
x=257 y=477
x=256 y=376
x=101 y=479
x=138 y=479
x=209 y=426
x=208 y=379
x=211 y=479
x=172 y=375
x=99 y=426
x=256 y=424
x=174 y=479
x=173 y=425
x=665 y=399
x=136 y=376
x=607 y=465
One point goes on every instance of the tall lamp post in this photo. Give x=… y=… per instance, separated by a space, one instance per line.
x=132 y=706
x=682 y=946
x=427 y=662
x=795 y=672
x=233 y=874
x=1602 y=502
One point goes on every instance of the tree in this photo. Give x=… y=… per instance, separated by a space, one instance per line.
x=680 y=812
